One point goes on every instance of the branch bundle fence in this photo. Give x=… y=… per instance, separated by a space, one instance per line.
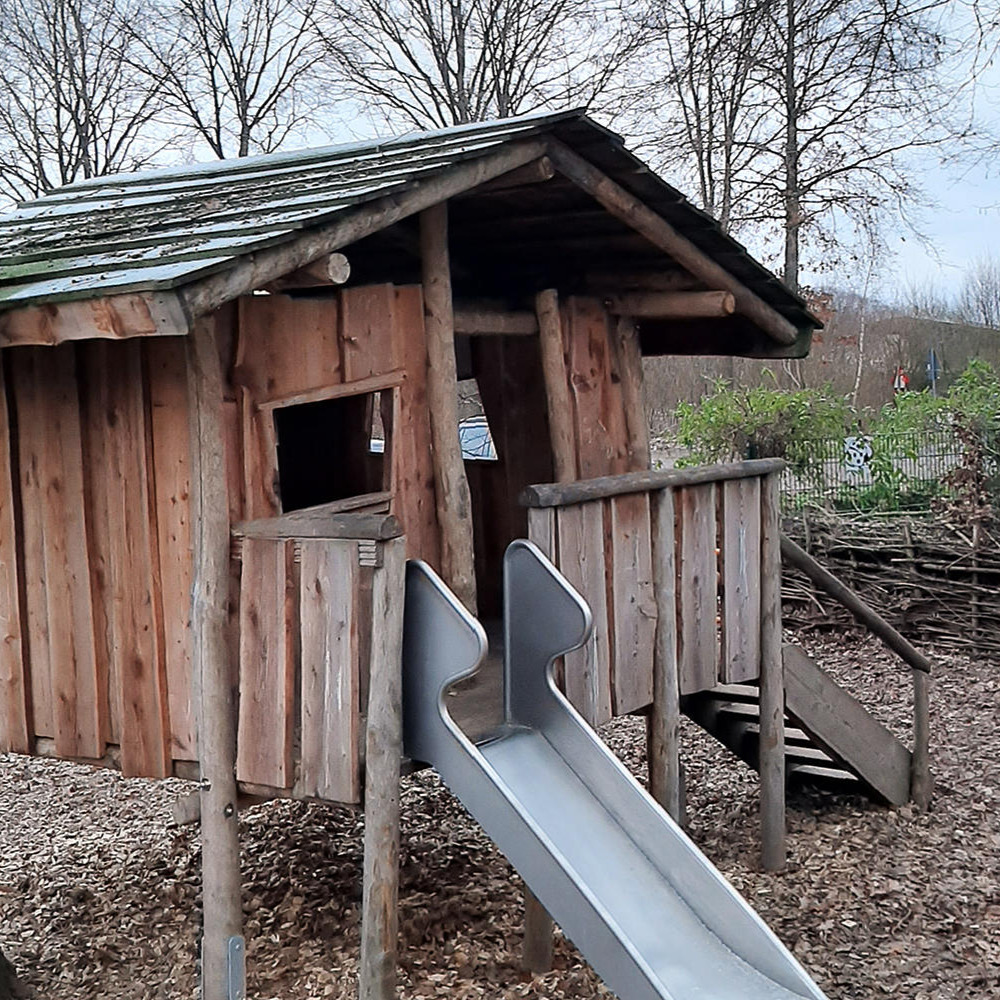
x=936 y=582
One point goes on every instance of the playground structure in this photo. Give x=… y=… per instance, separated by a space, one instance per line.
x=202 y=550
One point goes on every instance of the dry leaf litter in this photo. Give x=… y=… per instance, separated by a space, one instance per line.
x=99 y=893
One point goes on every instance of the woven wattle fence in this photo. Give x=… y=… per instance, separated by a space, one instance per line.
x=938 y=583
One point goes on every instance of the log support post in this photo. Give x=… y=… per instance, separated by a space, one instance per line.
x=451 y=487
x=538 y=926
x=383 y=752
x=921 y=782
x=557 y=397
x=536 y=955
x=222 y=950
x=772 y=682
x=663 y=721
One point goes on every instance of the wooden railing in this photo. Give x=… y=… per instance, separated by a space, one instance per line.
x=920 y=665
x=682 y=571
x=313 y=659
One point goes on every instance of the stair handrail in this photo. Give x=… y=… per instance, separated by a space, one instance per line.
x=920 y=665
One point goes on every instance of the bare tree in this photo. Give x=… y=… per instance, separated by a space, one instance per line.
x=850 y=78
x=445 y=62
x=809 y=112
x=240 y=75
x=714 y=122
x=979 y=298
x=74 y=104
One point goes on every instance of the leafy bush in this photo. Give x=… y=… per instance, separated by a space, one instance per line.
x=910 y=437
x=761 y=422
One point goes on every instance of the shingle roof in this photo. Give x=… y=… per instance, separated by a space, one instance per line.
x=166 y=228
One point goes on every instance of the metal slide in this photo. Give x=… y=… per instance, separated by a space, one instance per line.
x=651 y=914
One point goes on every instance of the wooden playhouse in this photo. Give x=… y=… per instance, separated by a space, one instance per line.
x=230 y=411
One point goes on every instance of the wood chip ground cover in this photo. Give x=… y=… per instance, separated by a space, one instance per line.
x=99 y=894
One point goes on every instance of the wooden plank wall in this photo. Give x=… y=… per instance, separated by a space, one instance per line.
x=100 y=553
x=715 y=543
x=302 y=349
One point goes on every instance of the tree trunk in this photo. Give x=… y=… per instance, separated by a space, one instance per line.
x=793 y=205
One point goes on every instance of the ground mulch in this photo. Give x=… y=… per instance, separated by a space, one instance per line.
x=99 y=892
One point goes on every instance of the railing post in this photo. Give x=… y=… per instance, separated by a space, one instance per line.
x=921 y=783
x=772 y=682
x=664 y=714
x=383 y=753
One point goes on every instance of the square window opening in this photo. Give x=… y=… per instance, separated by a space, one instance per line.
x=332 y=449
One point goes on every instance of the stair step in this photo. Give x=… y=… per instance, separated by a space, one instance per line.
x=793 y=736
x=735 y=692
x=814 y=754
x=823 y=775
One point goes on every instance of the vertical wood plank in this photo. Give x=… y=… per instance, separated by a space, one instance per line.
x=267 y=663
x=31 y=422
x=76 y=687
x=697 y=588
x=632 y=603
x=740 y=660
x=136 y=625
x=367 y=325
x=542 y=530
x=92 y=370
x=599 y=450
x=412 y=466
x=665 y=782
x=286 y=345
x=580 y=531
x=628 y=360
x=329 y=624
x=383 y=752
x=166 y=362
x=772 y=682
x=15 y=731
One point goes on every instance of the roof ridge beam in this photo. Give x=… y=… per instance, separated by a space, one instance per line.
x=659 y=232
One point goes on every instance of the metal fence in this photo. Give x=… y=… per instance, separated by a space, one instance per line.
x=902 y=471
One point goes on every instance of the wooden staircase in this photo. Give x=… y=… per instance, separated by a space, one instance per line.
x=830 y=738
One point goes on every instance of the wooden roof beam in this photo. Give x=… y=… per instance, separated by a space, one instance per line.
x=260 y=269
x=536 y=172
x=333 y=269
x=658 y=231
x=672 y=305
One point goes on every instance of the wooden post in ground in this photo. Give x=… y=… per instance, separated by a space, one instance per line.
x=772 y=681
x=557 y=397
x=536 y=953
x=383 y=752
x=451 y=487
x=921 y=782
x=222 y=950
x=663 y=721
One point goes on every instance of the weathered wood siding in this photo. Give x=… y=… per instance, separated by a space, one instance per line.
x=711 y=547
x=95 y=539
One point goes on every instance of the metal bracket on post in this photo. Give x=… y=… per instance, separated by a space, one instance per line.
x=237 y=983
